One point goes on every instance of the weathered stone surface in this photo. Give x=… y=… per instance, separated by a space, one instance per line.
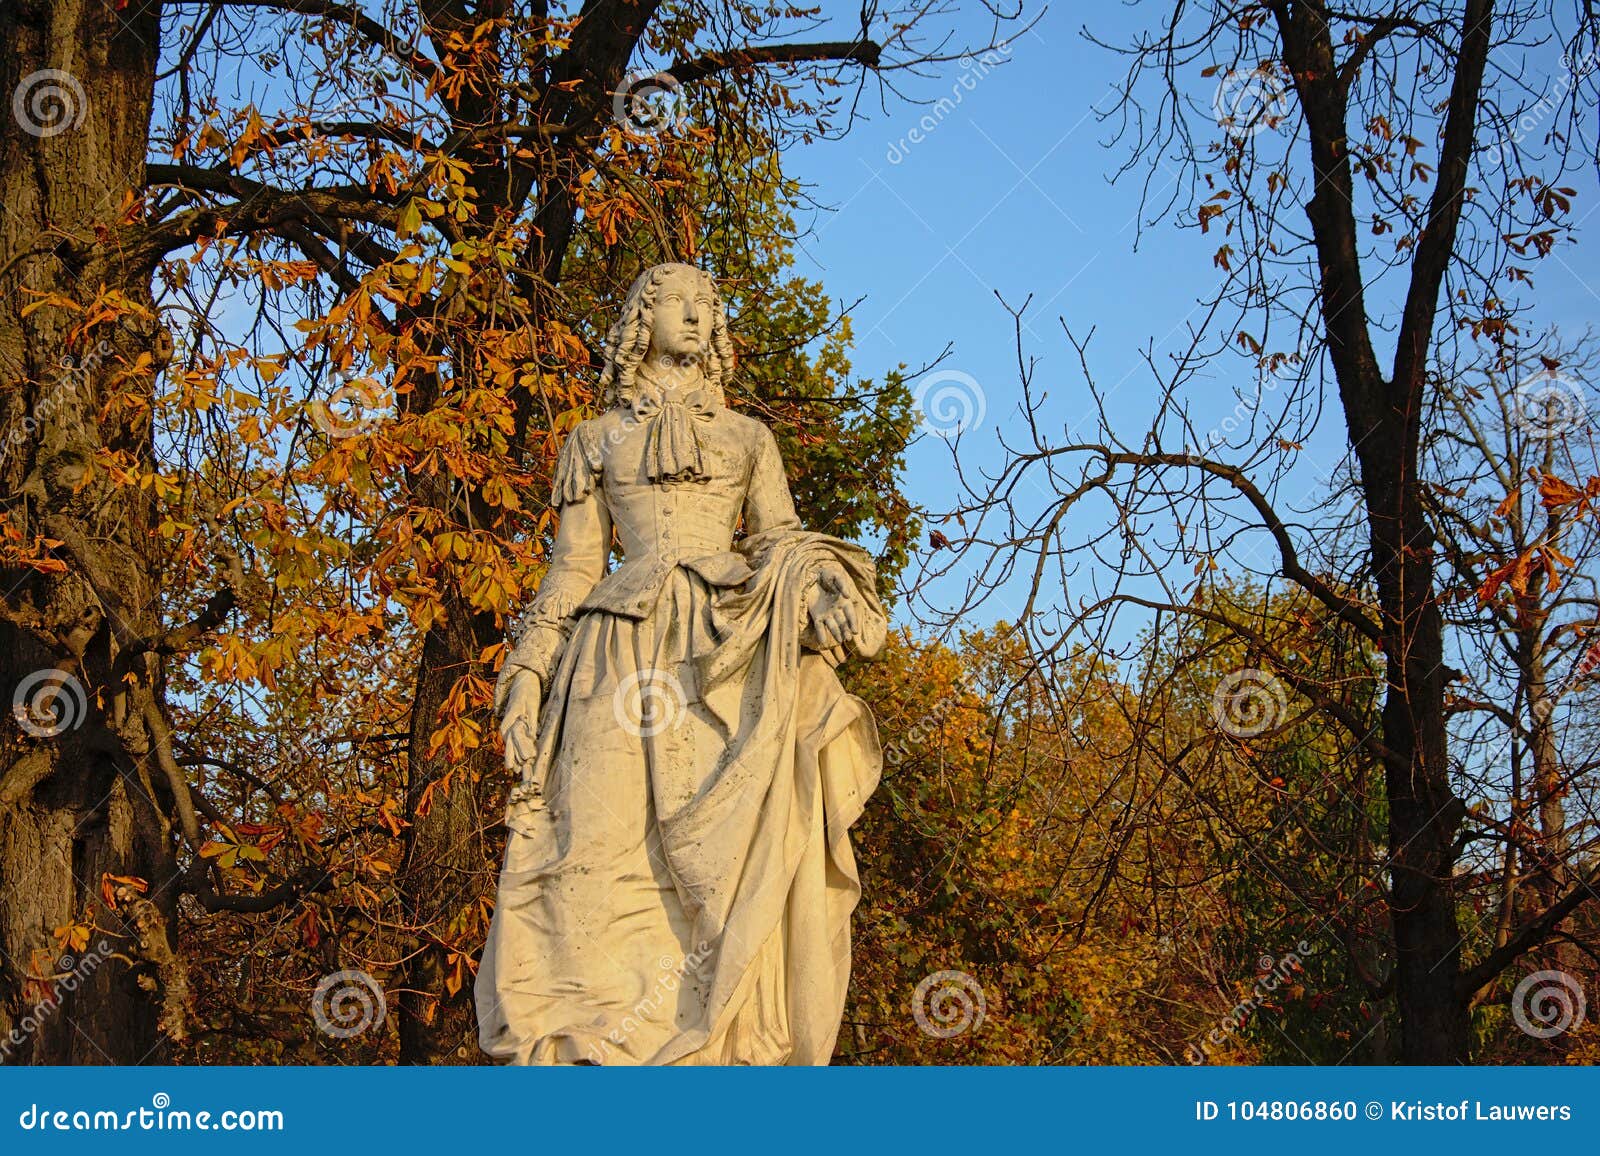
x=678 y=881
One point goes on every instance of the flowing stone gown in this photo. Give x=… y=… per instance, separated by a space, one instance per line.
x=678 y=881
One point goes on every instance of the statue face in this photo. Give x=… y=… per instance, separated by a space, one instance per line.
x=684 y=310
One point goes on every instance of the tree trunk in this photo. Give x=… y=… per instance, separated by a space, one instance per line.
x=77 y=803
x=448 y=863
x=1384 y=422
x=1423 y=812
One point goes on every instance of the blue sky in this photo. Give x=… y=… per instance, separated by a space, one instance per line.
x=1008 y=192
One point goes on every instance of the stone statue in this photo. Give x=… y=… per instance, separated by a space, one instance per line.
x=678 y=879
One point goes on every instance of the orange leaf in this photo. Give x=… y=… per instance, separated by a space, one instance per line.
x=1555 y=493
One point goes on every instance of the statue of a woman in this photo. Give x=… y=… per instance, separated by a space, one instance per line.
x=678 y=880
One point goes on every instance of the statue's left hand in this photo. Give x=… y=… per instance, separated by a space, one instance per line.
x=836 y=620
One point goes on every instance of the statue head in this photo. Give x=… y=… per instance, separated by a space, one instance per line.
x=672 y=312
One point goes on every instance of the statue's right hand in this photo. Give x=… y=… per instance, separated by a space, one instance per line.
x=519 y=720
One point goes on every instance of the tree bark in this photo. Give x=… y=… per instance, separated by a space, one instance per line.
x=448 y=863
x=77 y=798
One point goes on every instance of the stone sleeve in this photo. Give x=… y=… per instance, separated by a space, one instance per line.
x=577 y=563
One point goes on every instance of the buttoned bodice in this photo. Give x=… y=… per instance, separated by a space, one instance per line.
x=676 y=518
x=604 y=485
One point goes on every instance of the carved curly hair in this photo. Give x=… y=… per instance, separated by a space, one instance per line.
x=629 y=339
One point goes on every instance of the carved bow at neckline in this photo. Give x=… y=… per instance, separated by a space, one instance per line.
x=672 y=451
